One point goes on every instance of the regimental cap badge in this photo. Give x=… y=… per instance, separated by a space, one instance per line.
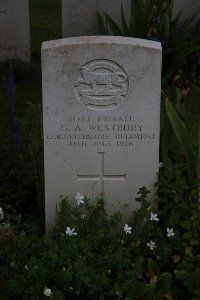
x=102 y=84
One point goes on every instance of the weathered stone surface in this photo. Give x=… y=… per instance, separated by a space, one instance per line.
x=14 y=30
x=79 y=17
x=101 y=108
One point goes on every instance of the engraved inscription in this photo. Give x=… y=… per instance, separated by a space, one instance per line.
x=102 y=84
x=102 y=131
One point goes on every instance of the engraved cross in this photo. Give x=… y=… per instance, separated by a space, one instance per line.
x=3 y=12
x=101 y=177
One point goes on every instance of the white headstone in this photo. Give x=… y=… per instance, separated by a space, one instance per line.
x=14 y=30
x=101 y=110
x=79 y=17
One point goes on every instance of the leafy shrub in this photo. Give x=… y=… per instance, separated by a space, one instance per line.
x=90 y=255
x=178 y=138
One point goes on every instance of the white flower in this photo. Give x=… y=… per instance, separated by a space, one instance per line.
x=151 y=245
x=170 y=232
x=70 y=231
x=160 y=164
x=154 y=217
x=79 y=198
x=47 y=292
x=12 y=264
x=127 y=229
x=1 y=214
x=83 y=217
x=26 y=267
x=122 y=242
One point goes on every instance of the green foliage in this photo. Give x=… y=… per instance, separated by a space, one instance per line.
x=176 y=139
x=145 y=16
x=190 y=265
x=152 y=19
x=183 y=40
x=103 y=261
x=180 y=206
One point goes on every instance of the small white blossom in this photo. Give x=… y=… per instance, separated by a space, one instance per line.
x=170 y=232
x=122 y=242
x=1 y=214
x=154 y=217
x=63 y=269
x=151 y=245
x=70 y=231
x=161 y=164
x=79 y=198
x=127 y=229
x=12 y=264
x=26 y=267
x=47 y=292
x=83 y=217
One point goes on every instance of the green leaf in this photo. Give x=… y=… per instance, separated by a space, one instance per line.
x=194 y=134
x=186 y=224
x=136 y=18
x=124 y=24
x=111 y=25
x=118 y=290
x=139 y=290
x=102 y=26
x=164 y=284
x=165 y=24
x=152 y=267
x=182 y=135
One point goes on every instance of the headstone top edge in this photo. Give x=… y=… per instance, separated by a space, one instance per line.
x=101 y=39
